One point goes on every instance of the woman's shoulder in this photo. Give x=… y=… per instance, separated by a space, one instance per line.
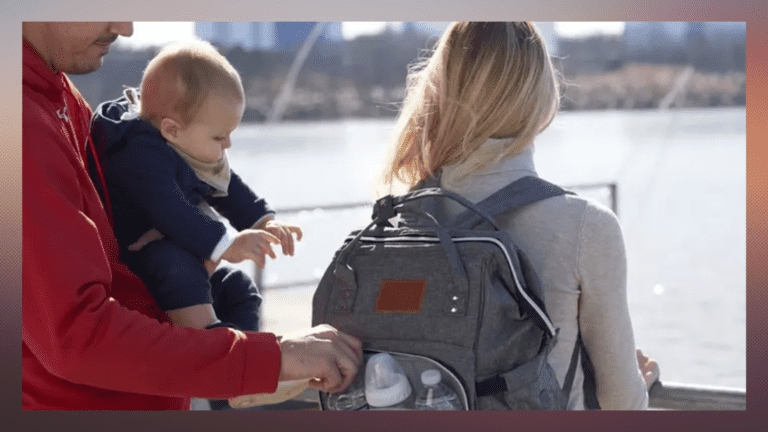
x=585 y=220
x=571 y=216
x=571 y=206
x=567 y=211
x=591 y=208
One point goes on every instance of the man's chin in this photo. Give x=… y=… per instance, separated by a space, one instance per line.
x=85 y=68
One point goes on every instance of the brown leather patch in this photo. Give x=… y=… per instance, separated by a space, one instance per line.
x=401 y=296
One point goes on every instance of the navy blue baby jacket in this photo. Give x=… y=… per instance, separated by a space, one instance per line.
x=151 y=186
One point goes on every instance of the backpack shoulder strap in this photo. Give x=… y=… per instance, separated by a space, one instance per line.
x=515 y=195
x=499 y=383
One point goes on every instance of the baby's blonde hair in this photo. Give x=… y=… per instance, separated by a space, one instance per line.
x=483 y=80
x=180 y=79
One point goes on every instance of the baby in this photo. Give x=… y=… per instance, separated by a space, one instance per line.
x=164 y=153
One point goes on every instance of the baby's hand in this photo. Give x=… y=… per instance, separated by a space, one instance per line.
x=284 y=231
x=145 y=239
x=251 y=244
x=210 y=266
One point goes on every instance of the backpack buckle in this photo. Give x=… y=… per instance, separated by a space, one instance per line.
x=383 y=210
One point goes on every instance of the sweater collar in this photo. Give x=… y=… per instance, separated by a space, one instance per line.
x=482 y=183
x=522 y=161
x=507 y=169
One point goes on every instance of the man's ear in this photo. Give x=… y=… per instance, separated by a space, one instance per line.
x=169 y=128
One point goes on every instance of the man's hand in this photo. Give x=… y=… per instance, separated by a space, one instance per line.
x=327 y=356
x=253 y=245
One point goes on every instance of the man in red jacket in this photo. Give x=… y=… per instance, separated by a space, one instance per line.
x=92 y=335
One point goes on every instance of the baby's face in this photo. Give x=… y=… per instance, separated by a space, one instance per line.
x=208 y=135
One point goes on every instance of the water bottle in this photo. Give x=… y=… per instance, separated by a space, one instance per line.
x=436 y=395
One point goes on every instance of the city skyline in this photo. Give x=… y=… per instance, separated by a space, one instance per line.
x=148 y=33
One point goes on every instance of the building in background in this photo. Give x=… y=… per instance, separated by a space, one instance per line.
x=289 y=35
x=642 y=36
x=247 y=35
x=639 y=36
x=250 y=36
x=365 y=75
x=333 y=32
x=645 y=35
x=712 y=46
x=547 y=31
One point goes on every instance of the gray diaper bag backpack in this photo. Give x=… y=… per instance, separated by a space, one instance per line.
x=455 y=296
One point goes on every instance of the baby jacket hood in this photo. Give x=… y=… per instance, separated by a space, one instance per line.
x=113 y=120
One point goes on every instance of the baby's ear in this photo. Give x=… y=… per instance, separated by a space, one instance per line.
x=169 y=128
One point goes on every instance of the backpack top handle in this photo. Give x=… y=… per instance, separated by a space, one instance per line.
x=389 y=206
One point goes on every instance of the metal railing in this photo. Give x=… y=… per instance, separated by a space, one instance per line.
x=611 y=186
x=674 y=396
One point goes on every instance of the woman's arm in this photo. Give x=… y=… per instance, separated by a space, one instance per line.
x=604 y=321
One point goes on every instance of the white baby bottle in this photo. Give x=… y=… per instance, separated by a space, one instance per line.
x=385 y=381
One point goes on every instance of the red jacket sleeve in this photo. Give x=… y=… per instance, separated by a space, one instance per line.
x=73 y=325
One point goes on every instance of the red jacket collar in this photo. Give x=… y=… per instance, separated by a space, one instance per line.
x=38 y=74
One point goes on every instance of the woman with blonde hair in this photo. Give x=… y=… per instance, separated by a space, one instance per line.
x=468 y=122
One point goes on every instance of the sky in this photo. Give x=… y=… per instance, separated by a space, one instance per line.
x=159 y=33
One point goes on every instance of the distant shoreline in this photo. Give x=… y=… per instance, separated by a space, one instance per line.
x=323 y=95
x=596 y=111
x=633 y=86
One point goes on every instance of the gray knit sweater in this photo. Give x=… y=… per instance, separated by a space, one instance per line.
x=576 y=247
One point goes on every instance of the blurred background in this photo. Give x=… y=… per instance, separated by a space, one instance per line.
x=653 y=125
x=358 y=69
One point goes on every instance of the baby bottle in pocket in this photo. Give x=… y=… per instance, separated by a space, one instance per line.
x=385 y=381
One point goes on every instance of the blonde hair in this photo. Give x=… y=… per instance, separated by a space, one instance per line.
x=483 y=80
x=180 y=79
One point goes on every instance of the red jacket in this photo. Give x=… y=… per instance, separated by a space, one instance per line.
x=92 y=336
